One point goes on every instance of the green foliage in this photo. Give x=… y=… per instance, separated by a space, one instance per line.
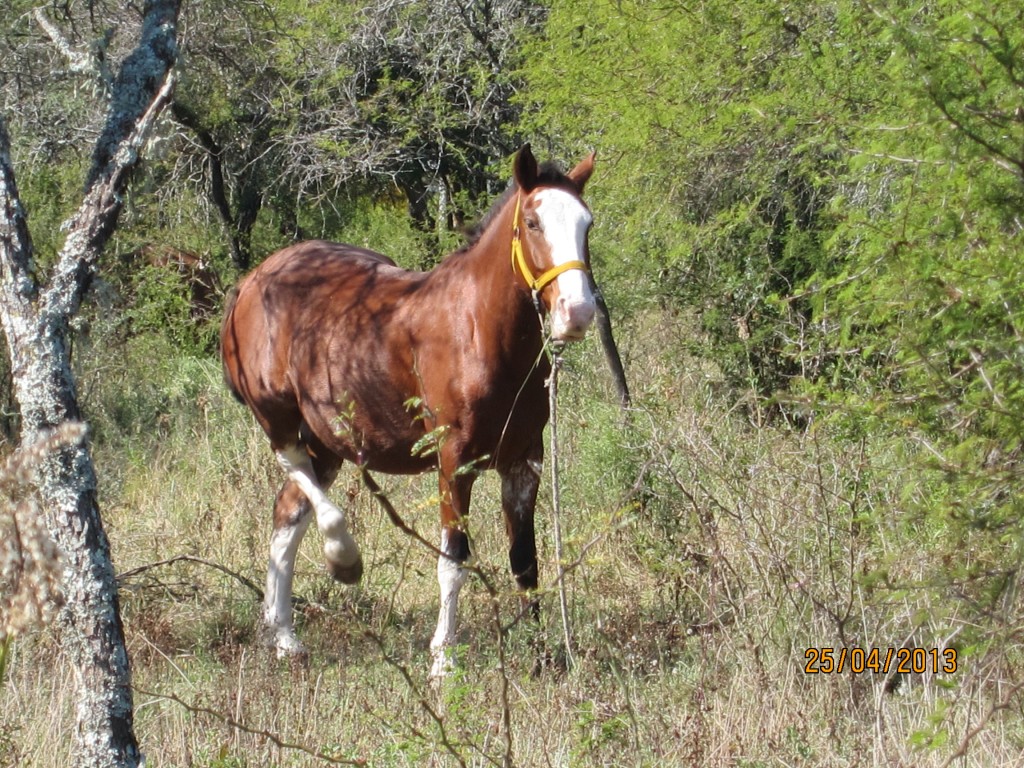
x=598 y=730
x=49 y=193
x=383 y=225
x=925 y=318
x=5 y=650
x=836 y=191
x=137 y=389
x=718 y=160
x=159 y=304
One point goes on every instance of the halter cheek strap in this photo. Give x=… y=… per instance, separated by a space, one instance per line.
x=536 y=284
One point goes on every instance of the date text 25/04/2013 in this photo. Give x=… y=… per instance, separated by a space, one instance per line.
x=897 y=660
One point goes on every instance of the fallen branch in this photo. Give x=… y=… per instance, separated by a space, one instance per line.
x=1000 y=705
x=121 y=577
x=231 y=722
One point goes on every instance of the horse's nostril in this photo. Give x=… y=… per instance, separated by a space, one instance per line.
x=574 y=317
x=579 y=314
x=585 y=314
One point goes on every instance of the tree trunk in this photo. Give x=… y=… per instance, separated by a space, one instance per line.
x=36 y=324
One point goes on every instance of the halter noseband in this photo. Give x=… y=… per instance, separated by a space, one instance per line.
x=536 y=284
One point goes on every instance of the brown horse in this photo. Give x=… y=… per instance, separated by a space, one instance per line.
x=340 y=354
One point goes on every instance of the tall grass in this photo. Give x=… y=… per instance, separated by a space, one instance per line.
x=705 y=554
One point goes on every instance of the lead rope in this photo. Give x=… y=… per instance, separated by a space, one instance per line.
x=536 y=285
x=556 y=505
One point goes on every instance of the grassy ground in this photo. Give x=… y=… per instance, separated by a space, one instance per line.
x=708 y=556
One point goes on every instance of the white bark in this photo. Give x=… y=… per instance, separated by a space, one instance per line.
x=36 y=323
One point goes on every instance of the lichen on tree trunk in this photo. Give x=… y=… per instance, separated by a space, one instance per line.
x=36 y=321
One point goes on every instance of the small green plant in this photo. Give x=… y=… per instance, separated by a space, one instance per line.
x=430 y=443
x=5 y=650
x=597 y=729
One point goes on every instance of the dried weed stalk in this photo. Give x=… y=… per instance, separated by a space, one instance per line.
x=30 y=563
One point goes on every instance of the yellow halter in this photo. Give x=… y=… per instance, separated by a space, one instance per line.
x=536 y=284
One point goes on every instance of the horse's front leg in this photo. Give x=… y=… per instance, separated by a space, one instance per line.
x=451 y=575
x=519 y=484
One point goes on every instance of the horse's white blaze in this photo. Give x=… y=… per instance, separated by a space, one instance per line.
x=450 y=576
x=339 y=546
x=564 y=221
x=277 y=602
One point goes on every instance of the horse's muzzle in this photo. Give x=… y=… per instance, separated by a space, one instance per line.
x=571 y=319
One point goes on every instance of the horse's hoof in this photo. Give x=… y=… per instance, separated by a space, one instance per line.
x=346 y=574
x=283 y=643
x=443 y=666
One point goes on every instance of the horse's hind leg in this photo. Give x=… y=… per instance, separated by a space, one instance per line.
x=291 y=519
x=292 y=510
x=341 y=552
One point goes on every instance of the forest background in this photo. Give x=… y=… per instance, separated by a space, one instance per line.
x=808 y=223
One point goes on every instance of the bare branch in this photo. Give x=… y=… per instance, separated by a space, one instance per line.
x=19 y=287
x=1004 y=703
x=93 y=63
x=121 y=577
x=231 y=722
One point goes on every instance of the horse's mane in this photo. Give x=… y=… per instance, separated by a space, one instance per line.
x=549 y=175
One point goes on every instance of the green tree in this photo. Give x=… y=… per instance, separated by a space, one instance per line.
x=408 y=95
x=299 y=110
x=931 y=293
x=721 y=131
x=835 y=192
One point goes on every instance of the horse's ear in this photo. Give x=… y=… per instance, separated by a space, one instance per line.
x=581 y=172
x=525 y=169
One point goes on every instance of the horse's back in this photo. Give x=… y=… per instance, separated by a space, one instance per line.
x=318 y=255
x=298 y=284
x=286 y=308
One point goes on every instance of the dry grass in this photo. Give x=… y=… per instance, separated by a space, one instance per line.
x=709 y=555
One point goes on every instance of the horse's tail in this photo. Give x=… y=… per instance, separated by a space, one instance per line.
x=229 y=309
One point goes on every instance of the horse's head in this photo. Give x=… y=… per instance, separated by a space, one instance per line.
x=549 y=248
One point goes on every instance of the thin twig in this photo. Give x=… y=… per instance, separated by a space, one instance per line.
x=190 y=559
x=396 y=519
x=93 y=63
x=556 y=506
x=237 y=725
x=1000 y=705
x=432 y=713
x=500 y=630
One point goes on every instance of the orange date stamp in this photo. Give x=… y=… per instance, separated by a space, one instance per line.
x=900 y=661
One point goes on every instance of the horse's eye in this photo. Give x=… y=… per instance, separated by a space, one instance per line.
x=532 y=224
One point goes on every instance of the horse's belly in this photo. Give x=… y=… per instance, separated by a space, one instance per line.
x=380 y=443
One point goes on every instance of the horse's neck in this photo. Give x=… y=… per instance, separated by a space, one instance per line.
x=502 y=306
